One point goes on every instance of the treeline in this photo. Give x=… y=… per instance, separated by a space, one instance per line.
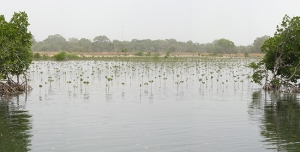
x=56 y=43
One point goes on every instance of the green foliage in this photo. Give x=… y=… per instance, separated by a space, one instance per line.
x=124 y=51
x=60 y=56
x=139 y=53
x=224 y=46
x=15 y=40
x=56 y=43
x=71 y=56
x=156 y=56
x=45 y=57
x=37 y=55
x=283 y=50
x=2 y=76
x=63 y=55
x=246 y=54
x=258 y=43
x=259 y=72
x=282 y=57
x=101 y=39
x=167 y=54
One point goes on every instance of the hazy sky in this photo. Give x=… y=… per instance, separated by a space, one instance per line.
x=202 y=21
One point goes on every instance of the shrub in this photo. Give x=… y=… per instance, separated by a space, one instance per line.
x=139 y=53
x=45 y=57
x=167 y=54
x=60 y=56
x=63 y=55
x=37 y=55
x=71 y=56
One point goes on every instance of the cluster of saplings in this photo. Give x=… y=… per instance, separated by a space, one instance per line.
x=15 y=53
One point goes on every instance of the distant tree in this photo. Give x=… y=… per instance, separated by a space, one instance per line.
x=101 y=39
x=102 y=43
x=224 y=46
x=73 y=40
x=258 y=43
x=85 y=44
x=190 y=47
x=280 y=67
x=55 y=38
x=55 y=43
x=244 y=49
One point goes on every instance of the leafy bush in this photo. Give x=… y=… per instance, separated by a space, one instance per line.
x=63 y=55
x=45 y=57
x=60 y=56
x=167 y=54
x=139 y=53
x=71 y=56
x=37 y=55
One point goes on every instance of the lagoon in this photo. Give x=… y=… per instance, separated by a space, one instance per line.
x=197 y=105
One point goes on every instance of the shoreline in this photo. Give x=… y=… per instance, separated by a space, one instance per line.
x=162 y=54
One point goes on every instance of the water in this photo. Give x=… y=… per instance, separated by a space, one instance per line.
x=189 y=106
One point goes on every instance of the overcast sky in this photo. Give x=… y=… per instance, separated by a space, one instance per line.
x=202 y=21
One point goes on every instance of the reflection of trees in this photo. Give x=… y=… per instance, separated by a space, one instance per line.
x=14 y=126
x=280 y=119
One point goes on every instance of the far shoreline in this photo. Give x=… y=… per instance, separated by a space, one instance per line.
x=162 y=54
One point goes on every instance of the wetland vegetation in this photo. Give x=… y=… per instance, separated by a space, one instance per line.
x=156 y=102
x=204 y=102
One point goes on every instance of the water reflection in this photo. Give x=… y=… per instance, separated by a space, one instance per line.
x=14 y=125
x=279 y=116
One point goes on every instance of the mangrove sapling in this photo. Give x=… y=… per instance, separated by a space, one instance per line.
x=151 y=81
x=107 y=83
x=123 y=86
x=146 y=87
x=177 y=84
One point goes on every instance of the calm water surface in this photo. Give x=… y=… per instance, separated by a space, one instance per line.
x=183 y=106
